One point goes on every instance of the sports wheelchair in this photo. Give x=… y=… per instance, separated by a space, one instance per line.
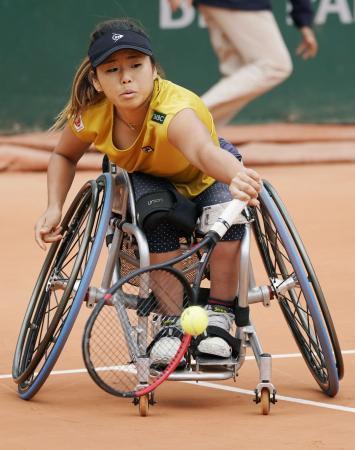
x=105 y=209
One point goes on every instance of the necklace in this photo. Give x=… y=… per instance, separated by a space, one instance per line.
x=130 y=125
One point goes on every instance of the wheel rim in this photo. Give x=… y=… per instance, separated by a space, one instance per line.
x=59 y=288
x=293 y=302
x=312 y=277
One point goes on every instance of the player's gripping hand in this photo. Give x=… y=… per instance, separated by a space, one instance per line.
x=245 y=186
x=47 y=228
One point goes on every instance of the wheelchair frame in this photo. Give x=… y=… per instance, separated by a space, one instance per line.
x=117 y=198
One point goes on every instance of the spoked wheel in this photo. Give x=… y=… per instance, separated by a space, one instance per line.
x=298 y=293
x=61 y=286
x=312 y=276
x=265 y=401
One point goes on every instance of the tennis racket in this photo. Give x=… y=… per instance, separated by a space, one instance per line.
x=133 y=339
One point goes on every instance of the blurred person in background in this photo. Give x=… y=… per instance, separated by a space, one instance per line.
x=253 y=57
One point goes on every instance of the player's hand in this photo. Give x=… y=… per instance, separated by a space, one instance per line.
x=246 y=186
x=176 y=4
x=47 y=228
x=308 y=47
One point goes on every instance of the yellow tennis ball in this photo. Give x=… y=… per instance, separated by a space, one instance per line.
x=194 y=320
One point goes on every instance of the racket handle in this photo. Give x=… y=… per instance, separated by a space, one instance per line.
x=228 y=217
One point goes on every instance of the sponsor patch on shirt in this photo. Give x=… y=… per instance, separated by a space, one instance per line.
x=158 y=117
x=78 y=124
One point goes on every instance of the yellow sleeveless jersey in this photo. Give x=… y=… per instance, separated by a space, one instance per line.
x=151 y=153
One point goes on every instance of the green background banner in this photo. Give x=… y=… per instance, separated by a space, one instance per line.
x=42 y=42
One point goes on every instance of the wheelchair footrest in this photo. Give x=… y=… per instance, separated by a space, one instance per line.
x=205 y=375
x=209 y=361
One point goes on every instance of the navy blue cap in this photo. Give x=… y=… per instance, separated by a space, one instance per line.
x=113 y=41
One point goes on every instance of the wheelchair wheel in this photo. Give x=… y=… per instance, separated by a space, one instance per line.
x=61 y=286
x=285 y=262
x=312 y=276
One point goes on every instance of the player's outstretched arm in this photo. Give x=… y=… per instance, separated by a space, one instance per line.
x=191 y=137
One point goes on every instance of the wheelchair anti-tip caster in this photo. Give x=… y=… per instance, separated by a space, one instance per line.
x=143 y=405
x=144 y=402
x=265 y=395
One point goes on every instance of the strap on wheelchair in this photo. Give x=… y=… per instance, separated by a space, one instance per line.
x=105 y=165
x=241 y=316
x=241 y=313
x=213 y=331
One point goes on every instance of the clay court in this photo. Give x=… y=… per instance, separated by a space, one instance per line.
x=300 y=137
x=70 y=411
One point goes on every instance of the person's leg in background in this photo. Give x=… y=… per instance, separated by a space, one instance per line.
x=253 y=58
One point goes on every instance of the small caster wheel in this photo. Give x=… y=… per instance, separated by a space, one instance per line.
x=143 y=405
x=265 y=401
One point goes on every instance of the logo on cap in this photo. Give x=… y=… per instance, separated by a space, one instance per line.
x=116 y=36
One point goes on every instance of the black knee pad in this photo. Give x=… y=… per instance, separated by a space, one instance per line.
x=167 y=205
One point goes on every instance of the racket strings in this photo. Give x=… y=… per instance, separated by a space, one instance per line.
x=131 y=346
x=129 y=260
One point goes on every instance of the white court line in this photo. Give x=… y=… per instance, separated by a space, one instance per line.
x=223 y=387
x=231 y=388
x=297 y=355
x=278 y=356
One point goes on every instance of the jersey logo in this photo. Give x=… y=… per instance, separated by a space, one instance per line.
x=148 y=149
x=158 y=117
x=78 y=123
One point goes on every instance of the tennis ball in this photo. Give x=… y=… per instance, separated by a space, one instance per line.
x=194 y=320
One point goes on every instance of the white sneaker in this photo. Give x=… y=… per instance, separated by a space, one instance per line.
x=218 y=316
x=166 y=347
x=164 y=350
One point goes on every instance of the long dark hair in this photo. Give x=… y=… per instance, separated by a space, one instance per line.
x=83 y=93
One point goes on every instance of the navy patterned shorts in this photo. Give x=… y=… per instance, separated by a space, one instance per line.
x=165 y=237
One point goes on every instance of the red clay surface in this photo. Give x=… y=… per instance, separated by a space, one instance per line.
x=71 y=412
x=288 y=132
x=265 y=144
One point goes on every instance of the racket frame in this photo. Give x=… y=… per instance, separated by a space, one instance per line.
x=112 y=294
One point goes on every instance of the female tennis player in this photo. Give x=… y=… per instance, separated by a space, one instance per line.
x=164 y=136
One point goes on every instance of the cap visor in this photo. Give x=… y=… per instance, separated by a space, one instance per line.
x=109 y=52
